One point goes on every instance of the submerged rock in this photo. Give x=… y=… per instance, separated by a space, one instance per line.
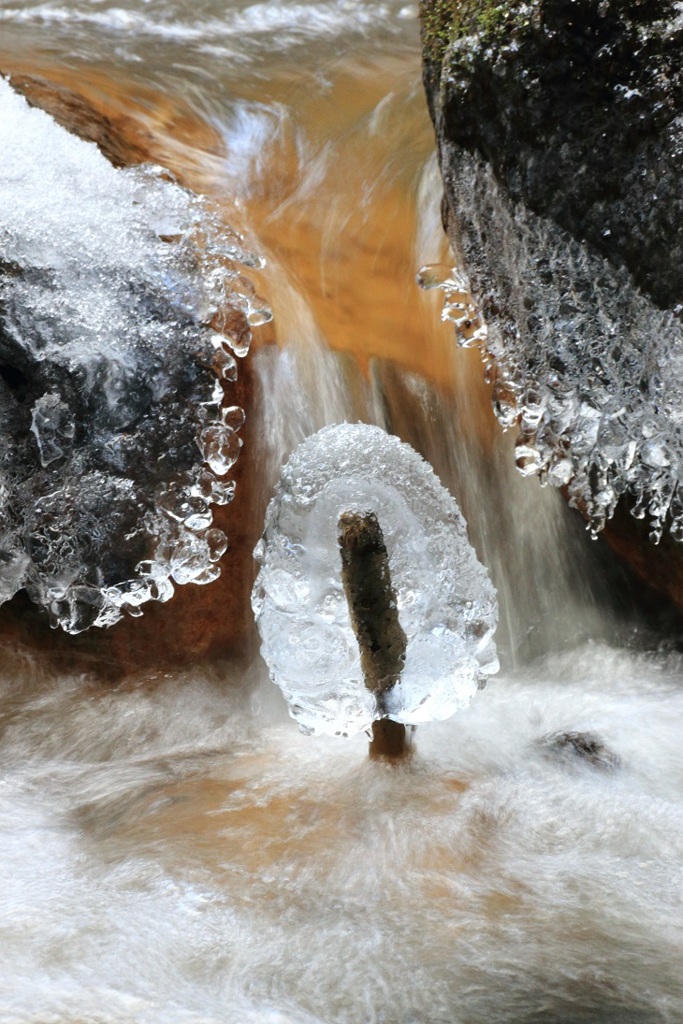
x=130 y=123
x=580 y=746
x=560 y=133
x=121 y=311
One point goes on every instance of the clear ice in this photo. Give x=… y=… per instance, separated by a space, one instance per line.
x=446 y=603
x=121 y=309
x=586 y=365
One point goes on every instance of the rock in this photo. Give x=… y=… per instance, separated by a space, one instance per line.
x=573 y=747
x=110 y=376
x=559 y=126
x=198 y=624
x=119 y=138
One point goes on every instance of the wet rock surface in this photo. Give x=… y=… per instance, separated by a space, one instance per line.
x=560 y=133
x=129 y=125
x=577 y=105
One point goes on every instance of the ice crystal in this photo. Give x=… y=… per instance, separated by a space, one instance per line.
x=586 y=365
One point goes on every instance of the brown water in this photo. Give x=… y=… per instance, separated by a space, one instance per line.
x=178 y=852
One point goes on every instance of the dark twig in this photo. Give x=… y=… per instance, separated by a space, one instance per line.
x=374 y=616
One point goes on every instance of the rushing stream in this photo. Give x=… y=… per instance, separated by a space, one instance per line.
x=175 y=850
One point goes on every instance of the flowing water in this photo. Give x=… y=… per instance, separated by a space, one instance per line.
x=175 y=851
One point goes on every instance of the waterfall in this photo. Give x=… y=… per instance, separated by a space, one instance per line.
x=553 y=581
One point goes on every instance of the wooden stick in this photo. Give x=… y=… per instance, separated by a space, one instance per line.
x=374 y=617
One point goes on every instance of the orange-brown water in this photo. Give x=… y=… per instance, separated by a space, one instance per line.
x=324 y=178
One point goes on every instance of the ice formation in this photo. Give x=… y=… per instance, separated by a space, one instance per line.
x=446 y=602
x=587 y=365
x=121 y=311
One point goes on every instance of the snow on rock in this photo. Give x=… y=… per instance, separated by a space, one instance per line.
x=121 y=310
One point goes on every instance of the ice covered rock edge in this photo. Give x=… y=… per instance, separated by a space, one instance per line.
x=122 y=308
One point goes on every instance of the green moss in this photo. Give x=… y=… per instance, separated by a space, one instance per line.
x=444 y=21
x=436 y=20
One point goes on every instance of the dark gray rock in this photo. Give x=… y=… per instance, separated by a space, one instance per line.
x=577 y=107
x=559 y=126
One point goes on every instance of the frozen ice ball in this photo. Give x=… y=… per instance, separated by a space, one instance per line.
x=446 y=602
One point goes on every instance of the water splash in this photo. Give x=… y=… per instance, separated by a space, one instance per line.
x=181 y=820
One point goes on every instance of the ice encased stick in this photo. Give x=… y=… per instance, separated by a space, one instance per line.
x=446 y=602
